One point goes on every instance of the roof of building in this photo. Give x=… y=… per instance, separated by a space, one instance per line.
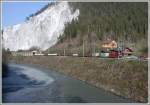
x=129 y=49
x=109 y=44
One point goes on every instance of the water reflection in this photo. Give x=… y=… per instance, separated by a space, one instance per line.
x=29 y=84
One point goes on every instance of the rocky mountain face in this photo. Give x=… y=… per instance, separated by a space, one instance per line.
x=41 y=30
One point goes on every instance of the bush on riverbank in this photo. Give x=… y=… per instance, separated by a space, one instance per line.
x=123 y=77
x=5 y=59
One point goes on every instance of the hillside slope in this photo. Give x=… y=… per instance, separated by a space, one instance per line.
x=124 y=22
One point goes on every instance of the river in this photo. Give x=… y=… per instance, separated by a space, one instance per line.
x=28 y=84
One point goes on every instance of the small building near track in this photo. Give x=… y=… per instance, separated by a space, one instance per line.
x=109 y=44
x=127 y=51
x=24 y=53
x=21 y=53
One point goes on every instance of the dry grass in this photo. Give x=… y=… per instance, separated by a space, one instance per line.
x=126 y=78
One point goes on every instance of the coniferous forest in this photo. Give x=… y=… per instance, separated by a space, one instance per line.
x=119 y=20
x=123 y=22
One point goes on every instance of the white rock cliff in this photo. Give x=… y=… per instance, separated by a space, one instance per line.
x=41 y=30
